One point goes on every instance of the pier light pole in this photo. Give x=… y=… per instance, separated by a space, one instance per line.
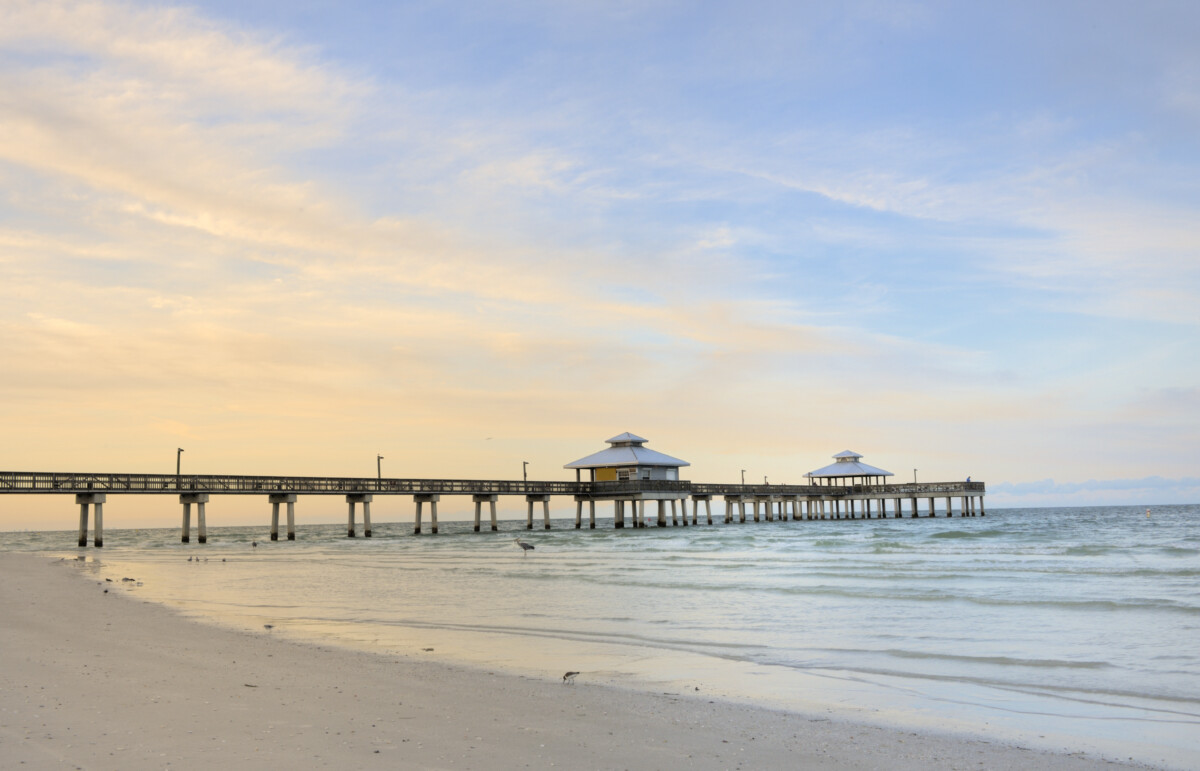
x=914 y=476
x=379 y=466
x=525 y=470
x=765 y=482
x=743 y=476
x=178 y=453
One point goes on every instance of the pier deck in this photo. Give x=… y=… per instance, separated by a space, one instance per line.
x=807 y=502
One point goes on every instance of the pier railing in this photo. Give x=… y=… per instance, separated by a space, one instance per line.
x=31 y=482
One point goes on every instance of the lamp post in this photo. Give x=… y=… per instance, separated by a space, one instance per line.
x=765 y=482
x=743 y=476
x=914 y=476
x=379 y=465
x=178 y=453
x=525 y=470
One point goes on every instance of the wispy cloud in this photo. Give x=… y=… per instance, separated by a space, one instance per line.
x=231 y=233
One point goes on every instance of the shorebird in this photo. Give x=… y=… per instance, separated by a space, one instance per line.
x=569 y=678
x=526 y=547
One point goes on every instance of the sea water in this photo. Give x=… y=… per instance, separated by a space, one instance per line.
x=1072 y=629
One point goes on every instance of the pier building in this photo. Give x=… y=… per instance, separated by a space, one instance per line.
x=627 y=459
x=627 y=473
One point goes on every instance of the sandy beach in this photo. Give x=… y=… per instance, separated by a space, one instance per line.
x=92 y=678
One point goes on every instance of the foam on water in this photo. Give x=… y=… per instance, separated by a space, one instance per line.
x=1070 y=628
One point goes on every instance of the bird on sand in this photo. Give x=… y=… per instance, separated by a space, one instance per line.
x=526 y=547
x=569 y=677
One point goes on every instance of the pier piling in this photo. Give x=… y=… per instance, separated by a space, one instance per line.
x=92 y=499
x=479 y=500
x=187 y=499
x=421 y=499
x=290 y=500
x=365 y=500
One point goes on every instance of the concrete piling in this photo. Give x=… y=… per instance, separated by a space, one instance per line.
x=352 y=499
x=91 y=499
x=290 y=500
x=187 y=499
x=479 y=500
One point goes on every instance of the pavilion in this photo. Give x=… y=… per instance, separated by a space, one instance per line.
x=627 y=459
x=848 y=469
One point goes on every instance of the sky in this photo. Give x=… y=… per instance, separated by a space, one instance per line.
x=288 y=237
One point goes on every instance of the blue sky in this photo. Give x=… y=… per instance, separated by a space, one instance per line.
x=288 y=236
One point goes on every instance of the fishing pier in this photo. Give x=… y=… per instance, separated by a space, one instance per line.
x=627 y=475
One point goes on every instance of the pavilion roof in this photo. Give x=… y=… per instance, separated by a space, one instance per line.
x=848 y=464
x=626 y=450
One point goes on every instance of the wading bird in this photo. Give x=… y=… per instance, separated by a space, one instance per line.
x=569 y=677
x=526 y=547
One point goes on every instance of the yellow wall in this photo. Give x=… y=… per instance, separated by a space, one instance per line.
x=606 y=475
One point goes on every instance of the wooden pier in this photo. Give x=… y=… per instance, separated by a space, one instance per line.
x=629 y=498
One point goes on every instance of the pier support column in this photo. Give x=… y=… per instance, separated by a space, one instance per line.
x=662 y=513
x=481 y=499
x=84 y=500
x=545 y=501
x=579 y=501
x=618 y=514
x=915 y=512
x=98 y=529
x=420 y=500
x=982 y=513
x=83 y=521
x=741 y=511
x=949 y=506
x=365 y=500
x=933 y=507
x=187 y=499
x=728 y=511
x=290 y=500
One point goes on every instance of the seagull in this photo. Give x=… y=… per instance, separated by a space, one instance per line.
x=569 y=678
x=268 y=627
x=527 y=547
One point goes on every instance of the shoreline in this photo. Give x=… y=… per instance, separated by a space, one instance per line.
x=105 y=680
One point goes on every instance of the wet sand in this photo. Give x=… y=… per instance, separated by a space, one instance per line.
x=98 y=680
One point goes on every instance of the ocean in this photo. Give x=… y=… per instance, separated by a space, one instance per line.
x=1069 y=629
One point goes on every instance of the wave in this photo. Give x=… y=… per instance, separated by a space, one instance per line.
x=968 y=534
x=1008 y=661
